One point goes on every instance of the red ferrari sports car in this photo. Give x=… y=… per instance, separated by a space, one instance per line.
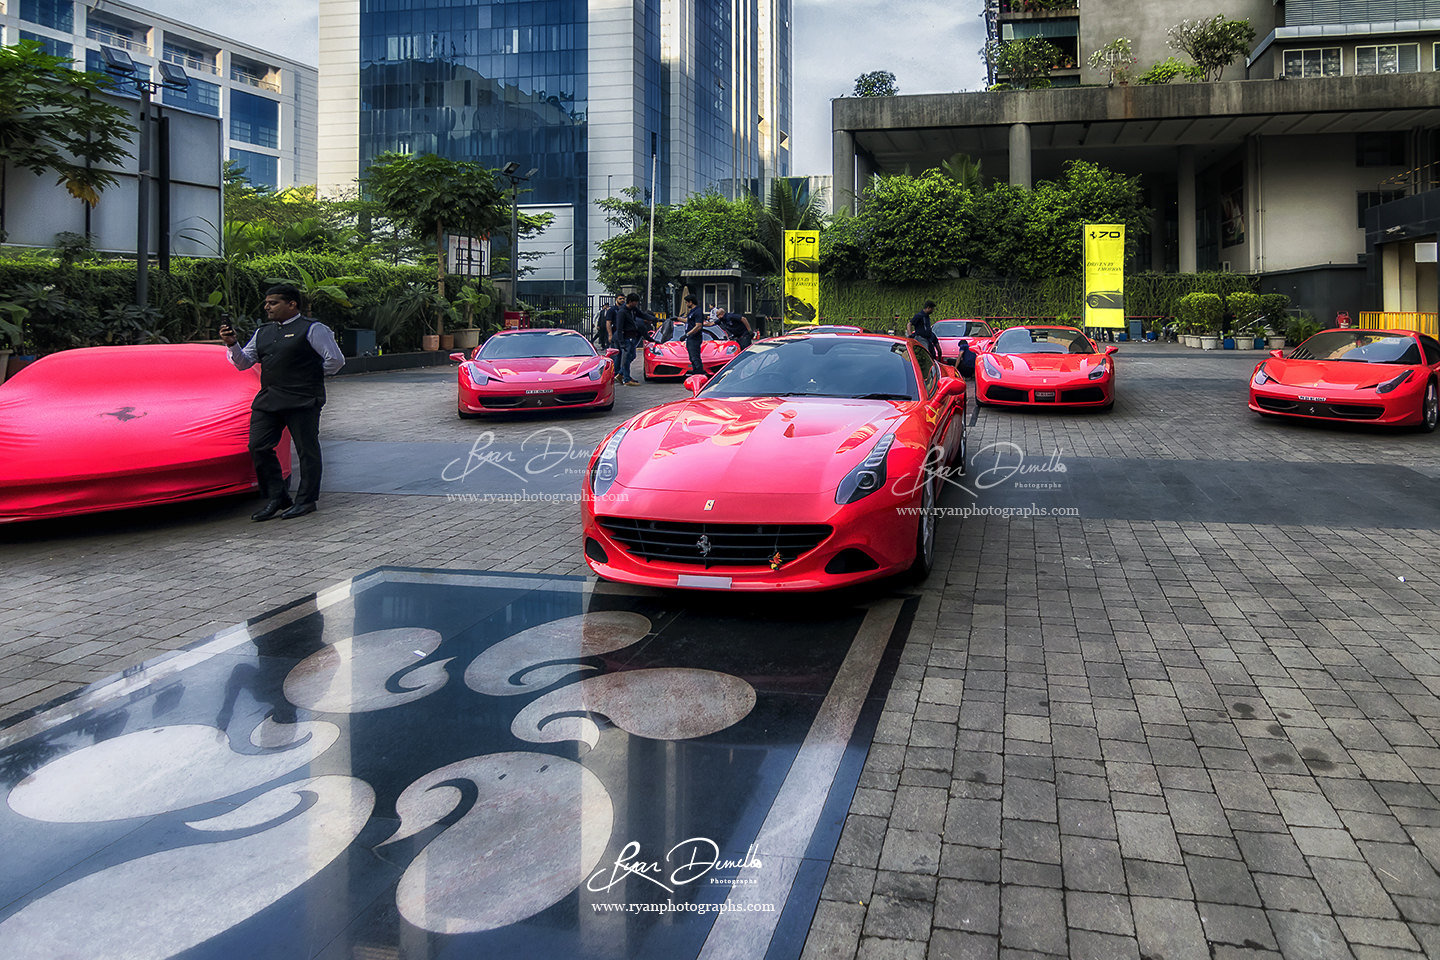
x=1045 y=365
x=534 y=370
x=1377 y=376
x=106 y=428
x=810 y=462
x=668 y=356
x=951 y=333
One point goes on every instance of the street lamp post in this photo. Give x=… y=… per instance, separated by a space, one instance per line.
x=508 y=171
x=565 y=264
x=119 y=64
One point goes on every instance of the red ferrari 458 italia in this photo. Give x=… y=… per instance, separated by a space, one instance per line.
x=1045 y=366
x=810 y=462
x=1375 y=376
x=951 y=333
x=668 y=356
x=534 y=370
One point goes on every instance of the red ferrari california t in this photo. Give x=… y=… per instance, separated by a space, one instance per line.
x=810 y=462
x=951 y=333
x=668 y=355
x=534 y=370
x=1376 y=376
x=1045 y=366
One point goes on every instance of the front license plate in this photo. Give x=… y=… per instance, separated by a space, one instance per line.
x=539 y=391
x=1044 y=394
x=706 y=583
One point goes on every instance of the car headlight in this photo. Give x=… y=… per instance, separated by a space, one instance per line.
x=992 y=369
x=607 y=465
x=868 y=476
x=1099 y=370
x=732 y=348
x=597 y=372
x=476 y=375
x=1261 y=377
x=1389 y=385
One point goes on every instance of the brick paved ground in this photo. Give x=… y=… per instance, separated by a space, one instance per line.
x=1107 y=739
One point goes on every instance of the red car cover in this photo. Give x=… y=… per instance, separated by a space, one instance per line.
x=103 y=428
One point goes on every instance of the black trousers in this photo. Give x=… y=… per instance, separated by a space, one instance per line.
x=265 y=429
x=692 y=344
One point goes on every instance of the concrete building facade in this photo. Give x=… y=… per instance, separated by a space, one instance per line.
x=675 y=96
x=268 y=106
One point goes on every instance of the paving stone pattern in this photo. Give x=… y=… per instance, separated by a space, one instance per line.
x=1106 y=738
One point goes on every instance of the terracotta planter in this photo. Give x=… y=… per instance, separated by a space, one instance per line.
x=430 y=342
x=467 y=339
x=447 y=341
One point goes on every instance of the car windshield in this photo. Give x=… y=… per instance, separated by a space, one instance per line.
x=824 y=366
x=1042 y=340
x=833 y=328
x=674 y=331
x=523 y=346
x=1358 y=346
x=961 y=328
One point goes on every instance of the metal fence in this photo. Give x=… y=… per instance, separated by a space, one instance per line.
x=576 y=311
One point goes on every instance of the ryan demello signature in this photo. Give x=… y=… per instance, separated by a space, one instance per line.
x=686 y=862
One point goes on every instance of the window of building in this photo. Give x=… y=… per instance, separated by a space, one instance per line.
x=191 y=58
x=1318 y=62
x=114 y=34
x=55 y=14
x=254 y=119
x=1365 y=200
x=200 y=96
x=263 y=172
x=1380 y=149
x=55 y=48
x=1387 y=58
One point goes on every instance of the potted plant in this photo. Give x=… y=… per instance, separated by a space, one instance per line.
x=470 y=299
x=1116 y=58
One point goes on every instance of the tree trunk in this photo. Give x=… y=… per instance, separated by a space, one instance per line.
x=440 y=276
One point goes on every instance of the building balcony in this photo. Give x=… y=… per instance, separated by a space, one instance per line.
x=193 y=63
x=112 y=39
x=1038 y=9
x=241 y=76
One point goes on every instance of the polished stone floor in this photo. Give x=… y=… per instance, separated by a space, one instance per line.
x=421 y=763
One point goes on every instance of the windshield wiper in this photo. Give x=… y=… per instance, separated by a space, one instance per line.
x=804 y=393
x=882 y=396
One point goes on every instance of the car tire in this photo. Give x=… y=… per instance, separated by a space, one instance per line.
x=1430 y=407
x=961 y=462
x=925 y=534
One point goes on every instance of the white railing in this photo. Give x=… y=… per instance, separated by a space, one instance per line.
x=191 y=63
x=254 y=81
x=112 y=39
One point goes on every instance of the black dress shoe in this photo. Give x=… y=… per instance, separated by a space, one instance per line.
x=271 y=508
x=299 y=510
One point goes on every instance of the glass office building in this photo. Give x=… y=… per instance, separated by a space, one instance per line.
x=580 y=90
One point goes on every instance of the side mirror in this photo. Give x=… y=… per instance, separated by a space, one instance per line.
x=951 y=386
x=612 y=353
x=1278 y=354
x=696 y=383
x=457 y=357
x=1110 y=350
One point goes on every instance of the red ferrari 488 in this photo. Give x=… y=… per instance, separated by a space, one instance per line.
x=1045 y=366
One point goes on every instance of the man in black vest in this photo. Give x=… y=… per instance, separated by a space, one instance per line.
x=695 y=322
x=919 y=329
x=295 y=354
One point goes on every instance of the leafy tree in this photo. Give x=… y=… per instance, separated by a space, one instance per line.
x=1168 y=69
x=844 y=247
x=784 y=210
x=624 y=259
x=1213 y=44
x=879 y=83
x=712 y=230
x=51 y=118
x=1115 y=58
x=917 y=228
x=1027 y=62
x=425 y=193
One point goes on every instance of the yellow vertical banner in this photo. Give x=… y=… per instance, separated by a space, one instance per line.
x=1105 y=275
x=802 y=276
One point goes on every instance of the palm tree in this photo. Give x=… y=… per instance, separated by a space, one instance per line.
x=784 y=210
x=964 y=170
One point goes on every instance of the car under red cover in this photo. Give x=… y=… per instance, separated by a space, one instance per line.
x=1044 y=366
x=1373 y=376
x=528 y=370
x=670 y=357
x=106 y=428
x=802 y=466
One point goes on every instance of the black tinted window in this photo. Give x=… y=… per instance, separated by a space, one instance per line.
x=1358 y=346
x=1431 y=346
x=520 y=346
x=1042 y=340
x=826 y=366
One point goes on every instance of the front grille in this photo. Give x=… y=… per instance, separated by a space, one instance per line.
x=666 y=370
x=1082 y=395
x=1356 y=411
x=577 y=397
x=715 y=544
x=537 y=400
x=1274 y=403
x=1006 y=393
x=1338 y=411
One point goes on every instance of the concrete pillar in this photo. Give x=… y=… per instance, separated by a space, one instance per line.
x=1020 y=156
x=843 y=183
x=1186 y=173
x=865 y=168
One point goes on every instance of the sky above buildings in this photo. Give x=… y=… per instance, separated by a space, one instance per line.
x=930 y=45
